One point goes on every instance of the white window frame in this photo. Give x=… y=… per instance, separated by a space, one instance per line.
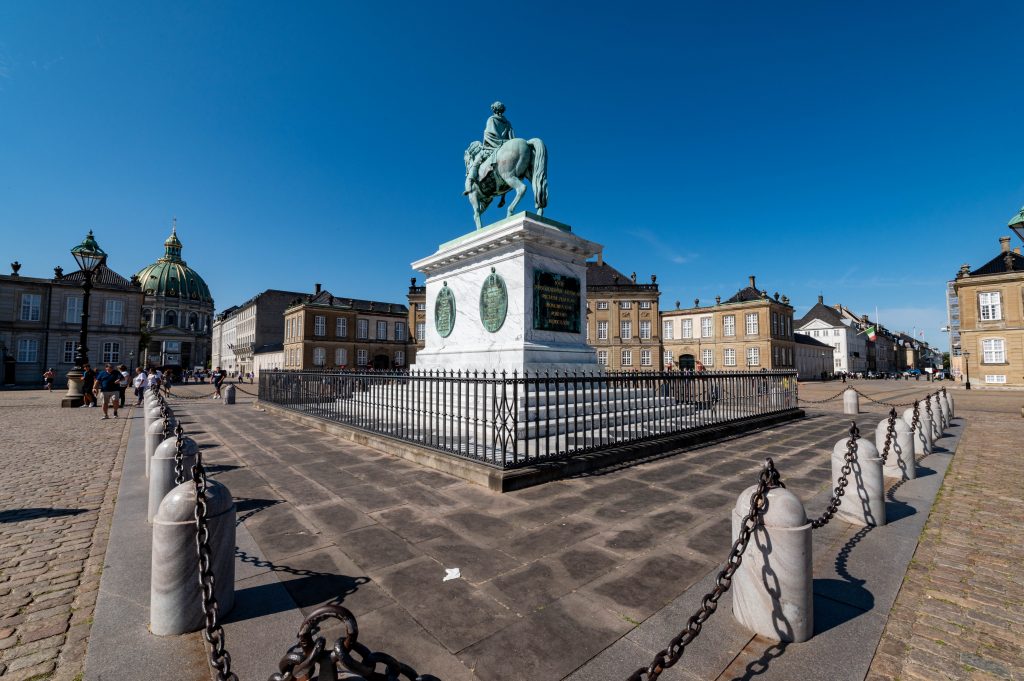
x=319 y=326
x=399 y=358
x=729 y=325
x=362 y=357
x=69 y=352
x=340 y=357
x=400 y=331
x=28 y=350
x=687 y=328
x=729 y=357
x=995 y=378
x=111 y=352
x=625 y=305
x=421 y=307
x=753 y=357
x=990 y=306
x=626 y=358
x=602 y=305
x=645 y=305
x=73 y=310
x=626 y=329
x=752 y=324
x=707 y=357
x=645 y=329
x=363 y=329
x=706 y=325
x=602 y=357
x=341 y=327
x=31 y=305
x=113 y=312
x=667 y=332
x=421 y=330
x=602 y=329
x=381 y=335
x=646 y=360
x=319 y=357
x=993 y=351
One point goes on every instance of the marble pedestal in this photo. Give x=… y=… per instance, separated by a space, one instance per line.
x=525 y=250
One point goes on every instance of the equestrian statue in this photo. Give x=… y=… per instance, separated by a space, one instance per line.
x=500 y=163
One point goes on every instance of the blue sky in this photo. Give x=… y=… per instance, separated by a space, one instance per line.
x=858 y=150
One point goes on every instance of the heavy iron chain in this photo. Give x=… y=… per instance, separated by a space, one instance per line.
x=928 y=409
x=915 y=421
x=843 y=481
x=167 y=422
x=827 y=399
x=769 y=479
x=881 y=402
x=309 y=658
x=179 y=457
x=192 y=397
x=890 y=434
x=213 y=632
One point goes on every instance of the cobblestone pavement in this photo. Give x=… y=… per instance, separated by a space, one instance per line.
x=60 y=471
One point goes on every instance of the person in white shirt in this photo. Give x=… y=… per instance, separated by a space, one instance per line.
x=139 y=383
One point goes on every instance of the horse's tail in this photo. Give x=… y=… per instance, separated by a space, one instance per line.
x=539 y=175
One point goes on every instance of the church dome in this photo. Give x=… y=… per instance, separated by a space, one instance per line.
x=171 y=277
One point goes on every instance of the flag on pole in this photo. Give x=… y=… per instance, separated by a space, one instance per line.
x=872 y=334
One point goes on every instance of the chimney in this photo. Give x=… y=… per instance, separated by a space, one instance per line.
x=1004 y=244
x=600 y=257
x=1017 y=250
x=821 y=299
x=752 y=282
x=316 y=289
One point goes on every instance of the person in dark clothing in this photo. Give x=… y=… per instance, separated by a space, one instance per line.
x=88 y=383
x=122 y=385
x=108 y=383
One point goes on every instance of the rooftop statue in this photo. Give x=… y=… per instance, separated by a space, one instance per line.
x=500 y=163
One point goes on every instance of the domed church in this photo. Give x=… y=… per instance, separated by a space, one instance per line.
x=177 y=310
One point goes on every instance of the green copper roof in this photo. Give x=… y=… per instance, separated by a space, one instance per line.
x=1016 y=219
x=171 y=277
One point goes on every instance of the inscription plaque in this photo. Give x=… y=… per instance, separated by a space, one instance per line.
x=493 y=302
x=444 y=311
x=556 y=302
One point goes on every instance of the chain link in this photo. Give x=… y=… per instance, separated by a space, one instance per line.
x=916 y=420
x=179 y=456
x=890 y=434
x=769 y=479
x=881 y=402
x=843 y=481
x=827 y=399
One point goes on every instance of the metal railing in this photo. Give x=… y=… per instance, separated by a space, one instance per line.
x=512 y=420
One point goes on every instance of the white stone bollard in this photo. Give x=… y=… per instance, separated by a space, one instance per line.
x=155 y=435
x=161 y=469
x=229 y=395
x=922 y=439
x=947 y=414
x=175 y=606
x=851 y=402
x=864 y=500
x=154 y=412
x=939 y=424
x=900 y=462
x=772 y=588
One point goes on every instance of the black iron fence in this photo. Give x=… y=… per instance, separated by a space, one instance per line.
x=511 y=420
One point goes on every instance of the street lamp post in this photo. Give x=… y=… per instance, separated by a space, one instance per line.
x=967 y=369
x=89 y=257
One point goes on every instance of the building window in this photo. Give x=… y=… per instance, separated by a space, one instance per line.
x=645 y=358
x=645 y=329
x=775 y=324
x=602 y=330
x=626 y=329
x=775 y=357
x=989 y=305
x=362 y=357
x=28 y=350
x=645 y=305
x=602 y=357
x=73 y=310
x=319 y=325
x=362 y=329
x=421 y=307
x=69 y=352
x=340 y=357
x=687 y=328
x=666 y=330
x=421 y=330
x=30 y=307
x=789 y=326
x=399 y=331
x=707 y=357
x=729 y=325
x=729 y=357
x=341 y=327
x=753 y=357
x=111 y=352
x=399 y=358
x=319 y=357
x=382 y=330
x=993 y=351
x=752 y=327
x=625 y=305
x=666 y=358
x=1000 y=378
x=705 y=327
x=114 y=313
x=602 y=305
x=171 y=318
x=835 y=332
x=627 y=358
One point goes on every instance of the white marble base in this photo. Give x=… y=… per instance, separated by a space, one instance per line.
x=851 y=402
x=161 y=470
x=864 y=500
x=772 y=589
x=513 y=248
x=900 y=463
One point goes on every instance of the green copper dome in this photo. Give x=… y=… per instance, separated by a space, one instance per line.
x=170 y=277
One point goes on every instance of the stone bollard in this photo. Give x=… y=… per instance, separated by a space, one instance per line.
x=922 y=438
x=772 y=592
x=851 y=402
x=939 y=423
x=229 y=395
x=947 y=414
x=175 y=606
x=154 y=412
x=864 y=500
x=900 y=462
x=155 y=435
x=161 y=469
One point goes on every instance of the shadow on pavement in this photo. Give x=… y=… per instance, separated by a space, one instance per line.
x=19 y=514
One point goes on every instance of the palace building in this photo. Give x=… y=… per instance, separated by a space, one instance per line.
x=622 y=319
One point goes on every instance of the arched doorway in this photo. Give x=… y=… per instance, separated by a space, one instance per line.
x=687 y=363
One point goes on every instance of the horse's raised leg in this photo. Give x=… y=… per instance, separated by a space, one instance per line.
x=474 y=201
x=520 y=188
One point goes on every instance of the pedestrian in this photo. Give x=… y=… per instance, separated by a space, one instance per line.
x=139 y=383
x=218 y=380
x=166 y=381
x=122 y=384
x=48 y=377
x=107 y=384
x=88 y=383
